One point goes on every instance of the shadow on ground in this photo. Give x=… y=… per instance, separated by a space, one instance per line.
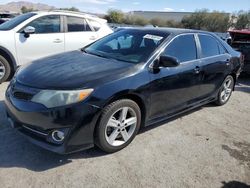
x=16 y=151
x=243 y=84
x=234 y=184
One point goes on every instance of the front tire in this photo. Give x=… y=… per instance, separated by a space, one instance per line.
x=225 y=91
x=5 y=69
x=118 y=125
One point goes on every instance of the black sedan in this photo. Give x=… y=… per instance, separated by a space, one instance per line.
x=103 y=94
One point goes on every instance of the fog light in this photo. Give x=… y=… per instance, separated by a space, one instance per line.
x=58 y=136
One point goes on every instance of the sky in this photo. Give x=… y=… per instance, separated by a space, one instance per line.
x=101 y=6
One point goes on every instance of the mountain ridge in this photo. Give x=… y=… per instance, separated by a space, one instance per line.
x=16 y=6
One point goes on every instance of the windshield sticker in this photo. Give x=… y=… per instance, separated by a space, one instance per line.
x=153 y=37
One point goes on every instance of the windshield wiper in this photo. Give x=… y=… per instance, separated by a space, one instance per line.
x=95 y=54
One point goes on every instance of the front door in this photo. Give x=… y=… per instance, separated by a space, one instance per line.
x=174 y=88
x=47 y=39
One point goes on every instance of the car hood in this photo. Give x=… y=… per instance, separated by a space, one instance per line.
x=72 y=70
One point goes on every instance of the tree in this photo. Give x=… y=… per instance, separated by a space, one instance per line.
x=242 y=20
x=216 y=22
x=157 y=22
x=115 y=16
x=71 y=9
x=24 y=9
x=172 y=23
x=195 y=20
x=210 y=21
x=141 y=21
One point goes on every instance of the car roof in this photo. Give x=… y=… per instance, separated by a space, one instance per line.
x=70 y=13
x=174 y=31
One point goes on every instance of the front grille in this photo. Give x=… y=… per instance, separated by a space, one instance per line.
x=22 y=95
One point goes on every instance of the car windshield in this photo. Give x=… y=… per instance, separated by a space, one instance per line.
x=15 y=21
x=130 y=45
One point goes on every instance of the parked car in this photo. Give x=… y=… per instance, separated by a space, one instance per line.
x=103 y=94
x=38 y=34
x=1 y=21
x=240 y=41
x=6 y=17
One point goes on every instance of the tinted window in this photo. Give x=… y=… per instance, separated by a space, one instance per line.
x=7 y=16
x=16 y=21
x=209 y=46
x=76 y=24
x=183 y=48
x=46 y=24
x=222 y=49
x=96 y=25
x=128 y=45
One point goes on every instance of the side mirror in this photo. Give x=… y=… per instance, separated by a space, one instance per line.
x=229 y=41
x=29 y=30
x=168 y=61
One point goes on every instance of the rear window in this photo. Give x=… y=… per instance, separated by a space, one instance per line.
x=96 y=25
x=76 y=24
x=209 y=46
x=222 y=49
x=15 y=21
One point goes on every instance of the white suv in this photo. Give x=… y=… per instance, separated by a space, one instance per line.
x=38 y=34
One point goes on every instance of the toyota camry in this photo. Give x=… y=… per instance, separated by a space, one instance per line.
x=104 y=93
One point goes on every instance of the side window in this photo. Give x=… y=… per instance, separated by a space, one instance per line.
x=222 y=49
x=183 y=48
x=209 y=46
x=96 y=25
x=46 y=24
x=76 y=24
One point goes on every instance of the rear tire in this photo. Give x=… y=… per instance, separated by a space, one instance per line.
x=118 y=125
x=5 y=69
x=225 y=91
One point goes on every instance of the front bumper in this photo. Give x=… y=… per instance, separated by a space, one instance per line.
x=37 y=123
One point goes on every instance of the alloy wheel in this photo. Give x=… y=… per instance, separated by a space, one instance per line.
x=2 y=70
x=121 y=126
x=227 y=89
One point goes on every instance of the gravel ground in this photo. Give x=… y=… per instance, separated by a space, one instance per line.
x=209 y=147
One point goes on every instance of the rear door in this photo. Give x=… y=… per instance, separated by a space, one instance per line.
x=78 y=33
x=47 y=39
x=214 y=64
x=175 y=88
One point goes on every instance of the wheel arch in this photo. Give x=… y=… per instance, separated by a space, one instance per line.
x=235 y=79
x=10 y=58
x=137 y=99
x=126 y=95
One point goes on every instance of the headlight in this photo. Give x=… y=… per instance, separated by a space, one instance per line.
x=55 y=98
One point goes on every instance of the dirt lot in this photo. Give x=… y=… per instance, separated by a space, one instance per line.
x=209 y=147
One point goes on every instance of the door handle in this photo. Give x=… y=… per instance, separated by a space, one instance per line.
x=92 y=38
x=197 y=70
x=57 y=41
